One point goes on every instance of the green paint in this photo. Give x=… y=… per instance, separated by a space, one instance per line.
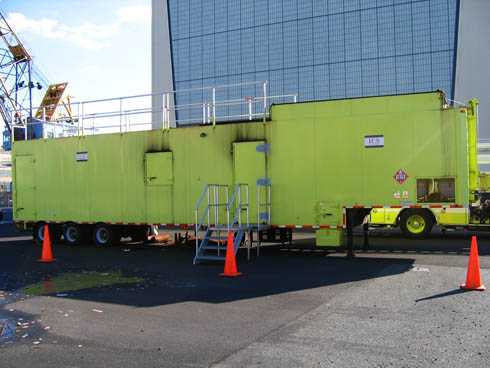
x=329 y=238
x=317 y=163
x=79 y=281
x=474 y=171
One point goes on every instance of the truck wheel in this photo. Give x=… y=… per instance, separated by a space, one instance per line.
x=72 y=233
x=105 y=235
x=38 y=233
x=416 y=223
x=54 y=233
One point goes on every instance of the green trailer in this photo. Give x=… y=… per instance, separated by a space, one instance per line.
x=407 y=161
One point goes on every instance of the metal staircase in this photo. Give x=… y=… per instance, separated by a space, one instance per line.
x=217 y=214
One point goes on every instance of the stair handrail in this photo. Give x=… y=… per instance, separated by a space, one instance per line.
x=238 y=208
x=200 y=220
x=267 y=203
x=212 y=202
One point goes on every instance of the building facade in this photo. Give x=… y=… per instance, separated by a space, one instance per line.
x=321 y=49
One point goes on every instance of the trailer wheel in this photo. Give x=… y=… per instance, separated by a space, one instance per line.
x=416 y=223
x=54 y=233
x=38 y=232
x=105 y=235
x=72 y=233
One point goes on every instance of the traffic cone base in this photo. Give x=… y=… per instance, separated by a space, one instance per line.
x=46 y=260
x=47 y=251
x=478 y=288
x=230 y=260
x=231 y=274
x=473 y=277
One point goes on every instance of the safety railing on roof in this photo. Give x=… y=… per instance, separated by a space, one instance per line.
x=208 y=105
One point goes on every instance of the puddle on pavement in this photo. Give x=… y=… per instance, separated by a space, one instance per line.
x=7 y=330
x=79 y=281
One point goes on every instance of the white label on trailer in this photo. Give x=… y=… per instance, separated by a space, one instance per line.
x=81 y=156
x=374 y=141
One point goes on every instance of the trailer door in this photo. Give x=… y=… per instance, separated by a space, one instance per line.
x=249 y=165
x=159 y=186
x=25 y=188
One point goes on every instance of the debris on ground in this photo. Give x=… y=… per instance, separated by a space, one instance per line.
x=160 y=238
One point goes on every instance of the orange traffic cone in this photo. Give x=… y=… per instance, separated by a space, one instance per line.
x=47 y=252
x=230 y=261
x=473 y=278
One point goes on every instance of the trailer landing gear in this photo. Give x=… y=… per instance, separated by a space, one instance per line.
x=355 y=217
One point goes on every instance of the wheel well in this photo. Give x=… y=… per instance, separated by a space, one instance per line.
x=426 y=210
x=358 y=215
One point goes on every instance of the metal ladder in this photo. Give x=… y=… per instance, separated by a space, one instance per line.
x=217 y=214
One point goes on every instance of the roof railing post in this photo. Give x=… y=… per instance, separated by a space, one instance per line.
x=250 y=108
x=203 y=113
x=214 y=106
x=120 y=115
x=265 y=100
x=80 y=120
x=168 y=110
x=165 y=122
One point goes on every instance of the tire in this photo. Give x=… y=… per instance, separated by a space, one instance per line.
x=38 y=233
x=416 y=223
x=105 y=235
x=72 y=233
x=54 y=233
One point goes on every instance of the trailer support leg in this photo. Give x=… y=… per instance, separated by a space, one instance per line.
x=350 y=234
x=365 y=230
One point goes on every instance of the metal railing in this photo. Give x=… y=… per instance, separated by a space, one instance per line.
x=243 y=101
x=264 y=202
x=211 y=213
x=236 y=204
x=239 y=207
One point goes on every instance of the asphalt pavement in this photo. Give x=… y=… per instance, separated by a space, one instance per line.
x=396 y=304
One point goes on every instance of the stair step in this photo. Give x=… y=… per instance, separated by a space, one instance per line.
x=214 y=247
x=216 y=238
x=211 y=258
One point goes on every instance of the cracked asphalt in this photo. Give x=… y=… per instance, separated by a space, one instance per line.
x=397 y=304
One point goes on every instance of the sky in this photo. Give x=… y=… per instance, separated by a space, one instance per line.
x=101 y=47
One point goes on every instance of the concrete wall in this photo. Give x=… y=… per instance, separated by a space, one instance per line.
x=473 y=59
x=161 y=59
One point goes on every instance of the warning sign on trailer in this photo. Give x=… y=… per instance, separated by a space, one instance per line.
x=400 y=176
